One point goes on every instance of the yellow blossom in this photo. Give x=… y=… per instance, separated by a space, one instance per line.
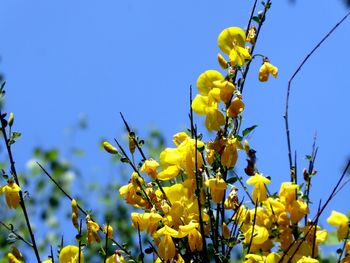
x=205 y=81
x=217 y=188
x=305 y=259
x=150 y=167
x=235 y=108
x=75 y=213
x=11 y=191
x=229 y=155
x=266 y=69
x=226 y=232
x=259 y=192
x=194 y=236
x=251 y=35
x=288 y=192
x=92 y=229
x=231 y=41
x=222 y=61
x=69 y=254
x=116 y=258
x=13 y=259
x=298 y=210
x=260 y=235
x=208 y=106
x=340 y=221
x=108 y=230
x=145 y=221
x=253 y=258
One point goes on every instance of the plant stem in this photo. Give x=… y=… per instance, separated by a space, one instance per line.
x=14 y=173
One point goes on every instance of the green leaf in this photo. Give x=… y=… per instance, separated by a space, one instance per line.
x=14 y=137
x=124 y=160
x=231 y=180
x=308 y=157
x=248 y=130
x=240 y=138
x=256 y=19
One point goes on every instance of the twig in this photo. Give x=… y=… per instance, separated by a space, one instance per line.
x=16 y=234
x=263 y=15
x=140 y=243
x=344 y=244
x=254 y=222
x=80 y=236
x=106 y=243
x=14 y=172
x=290 y=83
x=198 y=193
x=143 y=157
x=251 y=17
x=333 y=193
x=81 y=209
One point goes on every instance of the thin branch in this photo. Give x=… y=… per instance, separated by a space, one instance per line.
x=290 y=83
x=331 y=196
x=134 y=138
x=198 y=193
x=16 y=234
x=14 y=172
x=251 y=17
x=140 y=243
x=81 y=209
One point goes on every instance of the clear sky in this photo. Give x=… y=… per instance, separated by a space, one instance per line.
x=64 y=58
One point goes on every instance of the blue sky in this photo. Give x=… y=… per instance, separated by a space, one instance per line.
x=66 y=58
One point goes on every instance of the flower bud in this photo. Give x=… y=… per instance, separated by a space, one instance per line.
x=222 y=61
x=11 y=119
x=109 y=148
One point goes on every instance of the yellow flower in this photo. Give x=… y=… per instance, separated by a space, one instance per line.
x=194 y=236
x=231 y=41
x=116 y=258
x=251 y=35
x=266 y=69
x=226 y=89
x=92 y=229
x=145 y=221
x=69 y=254
x=259 y=192
x=108 y=230
x=222 y=61
x=253 y=258
x=226 y=232
x=12 y=259
x=288 y=192
x=217 y=188
x=235 y=108
x=340 y=221
x=307 y=260
x=11 y=191
x=214 y=120
x=150 y=167
x=298 y=210
x=229 y=155
x=259 y=237
x=166 y=247
x=205 y=81
x=75 y=213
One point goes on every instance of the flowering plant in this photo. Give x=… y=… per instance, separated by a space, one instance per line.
x=194 y=203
